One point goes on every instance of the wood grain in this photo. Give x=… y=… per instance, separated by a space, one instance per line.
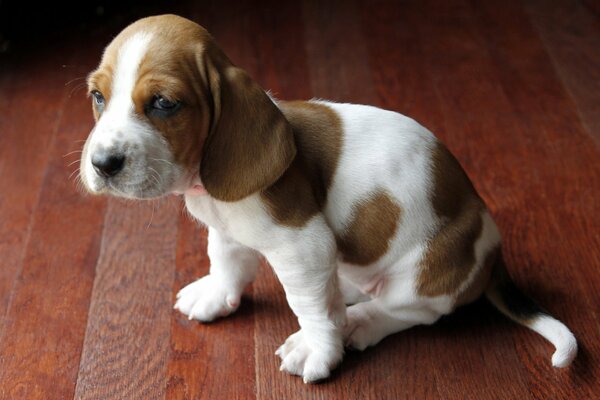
x=126 y=346
x=203 y=356
x=570 y=35
x=559 y=170
x=45 y=322
x=87 y=284
x=24 y=179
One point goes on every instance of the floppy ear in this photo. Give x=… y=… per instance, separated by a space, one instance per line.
x=250 y=143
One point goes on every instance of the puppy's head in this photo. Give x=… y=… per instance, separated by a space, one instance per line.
x=170 y=109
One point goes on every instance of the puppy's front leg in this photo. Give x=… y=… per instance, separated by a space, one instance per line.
x=232 y=267
x=306 y=266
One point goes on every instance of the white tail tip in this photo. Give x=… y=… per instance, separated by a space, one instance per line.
x=559 y=335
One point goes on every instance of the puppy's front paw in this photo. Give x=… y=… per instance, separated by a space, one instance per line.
x=311 y=362
x=207 y=299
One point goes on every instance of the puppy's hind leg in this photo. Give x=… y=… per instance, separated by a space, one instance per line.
x=351 y=293
x=369 y=322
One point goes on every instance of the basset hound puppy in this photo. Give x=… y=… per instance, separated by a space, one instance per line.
x=370 y=224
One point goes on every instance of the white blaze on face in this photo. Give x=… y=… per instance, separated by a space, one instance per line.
x=119 y=112
x=118 y=128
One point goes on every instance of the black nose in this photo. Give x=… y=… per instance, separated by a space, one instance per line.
x=107 y=164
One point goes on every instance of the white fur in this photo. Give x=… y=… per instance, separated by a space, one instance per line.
x=559 y=335
x=119 y=117
x=233 y=266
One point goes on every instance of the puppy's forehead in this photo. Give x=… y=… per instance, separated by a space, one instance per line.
x=160 y=42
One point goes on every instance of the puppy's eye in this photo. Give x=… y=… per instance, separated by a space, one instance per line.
x=98 y=98
x=160 y=103
x=162 y=107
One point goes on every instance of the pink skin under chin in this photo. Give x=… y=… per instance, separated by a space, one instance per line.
x=196 y=190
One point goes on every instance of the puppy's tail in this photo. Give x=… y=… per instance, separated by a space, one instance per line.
x=513 y=303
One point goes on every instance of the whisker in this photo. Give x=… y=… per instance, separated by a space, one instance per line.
x=155 y=180
x=73 y=152
x=76 y=88
x=74 y=79
x=74 y=172
x=157 y=175
x=151 y=217
x=163 y=160
x=73 y=162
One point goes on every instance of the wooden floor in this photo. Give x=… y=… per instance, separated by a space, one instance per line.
x=87 y=284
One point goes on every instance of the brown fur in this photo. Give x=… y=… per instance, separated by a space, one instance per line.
x=302 y=190
x=481 y=279
x=450 y=255
x=170 y=69
x=291 y=201
x=318 y=132
x=250 y=143
x=101 y=80
x=374 y=223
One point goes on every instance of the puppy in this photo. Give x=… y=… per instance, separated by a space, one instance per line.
x=369 y=222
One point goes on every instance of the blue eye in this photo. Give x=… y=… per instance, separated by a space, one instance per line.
x=98 y=98
x=160 y=103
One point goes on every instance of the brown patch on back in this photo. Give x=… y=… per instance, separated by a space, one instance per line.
x=291 y=200
x=367 y=236
x=450 y=255
x=318 y=133
x=301 y=192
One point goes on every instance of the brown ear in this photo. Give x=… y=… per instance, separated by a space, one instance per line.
x=250 y=143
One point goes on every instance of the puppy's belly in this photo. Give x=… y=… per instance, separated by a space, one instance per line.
x=402 y=272
x=373 y=279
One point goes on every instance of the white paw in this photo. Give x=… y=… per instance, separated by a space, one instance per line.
x=359 y=338
x=313 y=364
x=358 y=332
x=207 y=299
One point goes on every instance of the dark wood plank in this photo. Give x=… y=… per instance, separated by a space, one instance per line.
x=554 y=254
x=336 y=52
x=126 y=346
x=45 y=322
x=23 y=157
x=203 y=356
x=570 y=32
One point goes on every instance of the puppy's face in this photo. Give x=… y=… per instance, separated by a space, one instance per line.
x=171 y=109
x=149 y=99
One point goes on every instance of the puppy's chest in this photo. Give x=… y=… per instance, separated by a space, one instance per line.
x=207 y=211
